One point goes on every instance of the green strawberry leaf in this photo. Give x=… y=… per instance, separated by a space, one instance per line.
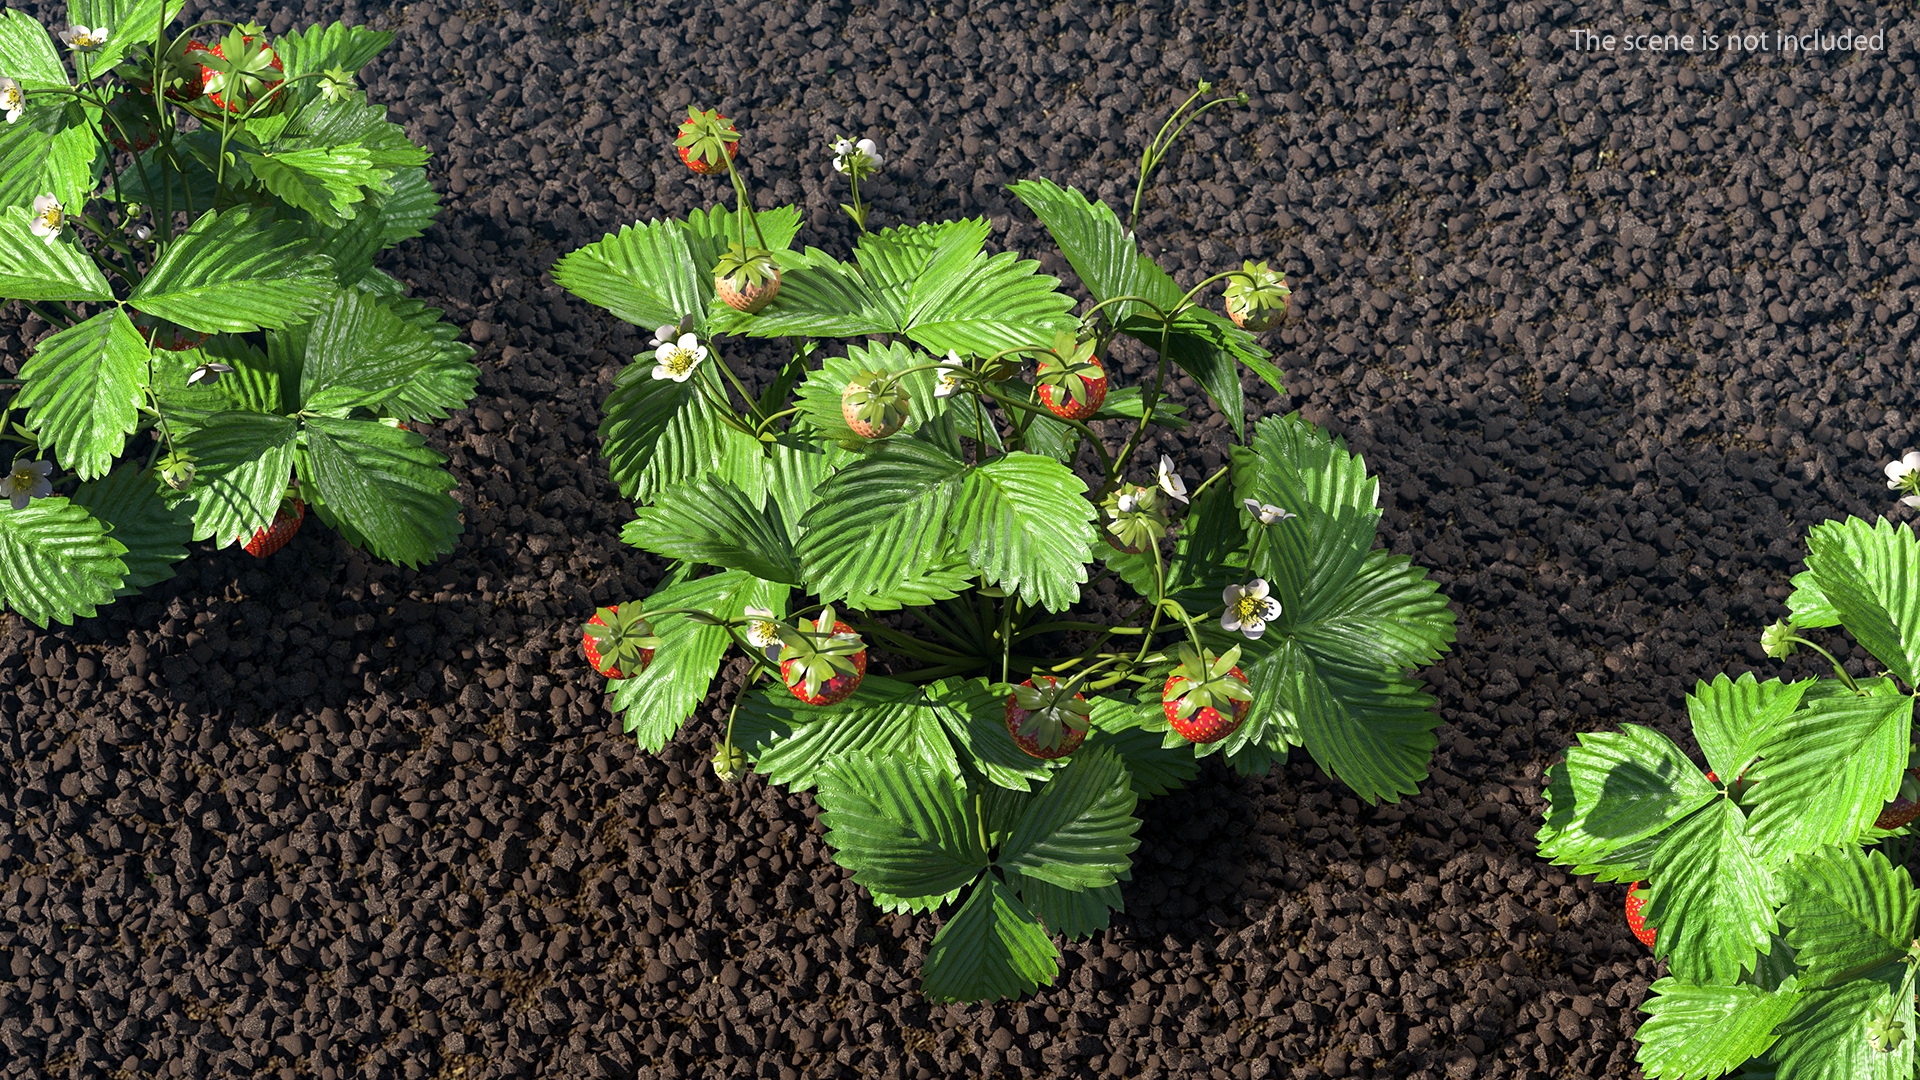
x=1847 y=912
x=382 y=488
x=243 y=462
x=1699 y=1032
x=791 y=742
x=1829 y=768
x=28 y=55
x=133 y=26
x=712 y=521
x=1075 y=914
x=235 y=271
x=1026 y=525
x=902 y=828
x=1827 y=1036
x=656 y=702
x=82 y=390
x=1870 y=574
x=1616 y=788
x=40 y=268
x=1153 y=768
x=49 y=151
x=993 y=948
x=154 y=529
x=1733 y=719
x=976 y=720
x=1078 y=831
x=325 y=183
x=1713 y=899
x=819 y=395
x=317 y=48
x=57 y=561
x=879 y=521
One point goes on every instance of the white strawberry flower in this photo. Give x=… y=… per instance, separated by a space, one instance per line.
x=1904 y=475
x=663 y=336
x=49 y=217
x=855 y=158
x=1170 y=482
x=80 y=39
x=13 y=100
x=1249 y=608
x=951 y=375
x=763 y=633
x=676 y=359
x=28 y=481
x=1268 y=513
x=208 y=373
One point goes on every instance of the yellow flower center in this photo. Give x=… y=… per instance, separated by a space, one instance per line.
x=761 y=630
x=52 y=217
x=1250 y=608
x=24 y=479
x=680 y=361
x=10 y=97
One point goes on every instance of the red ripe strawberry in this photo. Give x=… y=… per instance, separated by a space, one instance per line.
x=1637 y=922
x=1045 y=721
x=1901 y=811
x=235 y=83
x=618 y=636
x=749 y=299
x=1196 y=690
x=1086 y=398
x=830 y=667
x=702 y=137
x=271 y=538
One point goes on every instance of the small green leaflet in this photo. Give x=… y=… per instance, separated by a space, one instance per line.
x=45 y=268
x=382 y=487
x=993 y=948
x=324 y=182
x=1826 y=1037
x=244 y=462
x=1616 y=788
x=57 y=561
x=1700 y=1032
x=83 y=388
x=1078 y=831
x=791 y=742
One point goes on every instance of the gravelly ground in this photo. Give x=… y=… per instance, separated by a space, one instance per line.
x=1615 y=329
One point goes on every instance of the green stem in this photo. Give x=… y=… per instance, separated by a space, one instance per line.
x=1086 y=433
x=1147 y=404
x=1837 y=669
x=1194 y=495
x=744 y=204
x=908 y=646
x=1056 y=626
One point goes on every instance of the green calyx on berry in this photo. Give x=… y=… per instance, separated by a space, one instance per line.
x=625 y=635
x=813 y=658
x=1056 y=712
x=729 y=763
x=1072 y=371
x=1777 y=640
x=746 y=267
x=242 y=68
x=1136 y=515
x=1887 y=1031
x=706 y=137
x=176 y=470
x=1203 y=680
x=1256 y=289
x=876 y=400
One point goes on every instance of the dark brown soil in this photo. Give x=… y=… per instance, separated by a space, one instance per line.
x=1614 y=328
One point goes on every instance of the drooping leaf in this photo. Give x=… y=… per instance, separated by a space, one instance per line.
x=39 y=268
x=154 y=529
x=1078 y=831
x=1616 y=788
x=1071 y=913
x=383 y=488
x=1699 y=1032
x=656 y=702
x=902 y=828
x=57 y=562
x=1829 y=768
x=1712 y=898
x=1733 y=718
x=243 y=461
x=1847 y=912
x=1870 y=574
x=235 y=271
x=992 y=948
x=83 y=389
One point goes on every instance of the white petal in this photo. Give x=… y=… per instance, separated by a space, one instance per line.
x=1895 y=469
x=1228 y=621
x=1231 y=595
x=867 y=147
x=1257 y=588
x=1272 y=610
x=691 y=343
x=1911 y=500
x=1253 y=629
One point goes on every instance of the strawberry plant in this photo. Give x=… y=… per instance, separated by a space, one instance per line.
x=1783 y=902
x=195 y=215
x=900 y=529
